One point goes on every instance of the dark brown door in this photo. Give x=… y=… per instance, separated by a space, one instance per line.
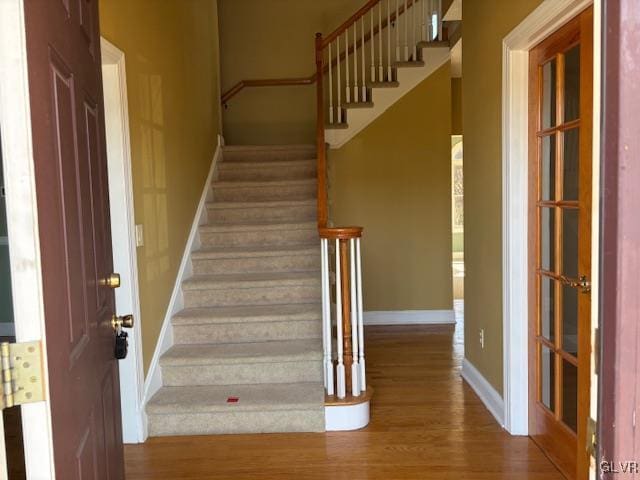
x=561 y=96
x=63 y=51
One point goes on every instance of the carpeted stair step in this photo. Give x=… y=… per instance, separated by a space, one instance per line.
x=259 y=171
x=221 y=260
x=236 y=191
x=243 y=363
x=268 y=153
x=247 y=324
x=207 y=410
x=259 y=234
x=251 y=212
x=251 y=289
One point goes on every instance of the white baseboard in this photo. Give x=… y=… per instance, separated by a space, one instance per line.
x=7 y=329
x=488 y=395
x=153 y=381
x=409 y=317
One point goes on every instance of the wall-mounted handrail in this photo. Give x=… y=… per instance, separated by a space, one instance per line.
x=265 y=82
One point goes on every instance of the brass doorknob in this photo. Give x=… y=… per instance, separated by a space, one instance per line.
x=118 y=323
x=112 y=281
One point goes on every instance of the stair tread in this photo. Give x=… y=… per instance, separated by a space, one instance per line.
x=262 y=183
x=269 y=148
x=241 y=353
x=434 y=44
x=253 y=251
x=260 y=397
x=336 y=126
x=217 y=205
x=253 y=226
x=357 y=105
x=251 y=313
x=393 y=84
x=409 y=63
x=250 y=280
x=249 y=164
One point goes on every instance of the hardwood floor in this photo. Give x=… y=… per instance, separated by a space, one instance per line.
x=426 y=424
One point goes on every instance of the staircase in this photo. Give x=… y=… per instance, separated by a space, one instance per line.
x=247 y=353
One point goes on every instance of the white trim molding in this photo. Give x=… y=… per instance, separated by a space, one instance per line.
x=125 y=259
x=488 y=395
x=22 y=226
x=410 y=317
x=543 y=21
x=338 y=418
x=153 y=382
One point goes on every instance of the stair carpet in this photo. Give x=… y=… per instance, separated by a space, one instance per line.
x=247 y=353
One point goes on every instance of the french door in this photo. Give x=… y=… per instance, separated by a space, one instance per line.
x=560 y=143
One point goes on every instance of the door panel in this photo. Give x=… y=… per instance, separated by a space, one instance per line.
x=75 y=239
x=560 y=248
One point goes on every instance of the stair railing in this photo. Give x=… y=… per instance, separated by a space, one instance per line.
x=361 y=53
x=344 y=370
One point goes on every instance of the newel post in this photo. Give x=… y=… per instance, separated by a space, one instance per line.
x=320 y=144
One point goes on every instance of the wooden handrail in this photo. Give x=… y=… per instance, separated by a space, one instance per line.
x=321 y=147
x=350 y=21
x=266 y=82
x=341 y=233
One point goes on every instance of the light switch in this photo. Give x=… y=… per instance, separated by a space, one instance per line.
x=139 y=235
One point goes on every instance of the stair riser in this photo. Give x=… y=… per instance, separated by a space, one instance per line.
x=297 y=213
x=242 y=373
x=246 y=332
x=237 y=171
x=259 y=238
x=237 y=422
x=252 y=296
x=265 y=193
x=257 y=264
x=269 y=155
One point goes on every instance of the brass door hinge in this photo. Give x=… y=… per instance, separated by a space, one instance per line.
x=592 y=437
x=22 y=374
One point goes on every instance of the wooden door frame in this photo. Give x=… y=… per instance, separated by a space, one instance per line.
x=125 y=259
x=543 y=21
x=22 y=223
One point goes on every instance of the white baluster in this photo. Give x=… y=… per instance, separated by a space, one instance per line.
x=380 y=65
x=423 y=23
x=326 y=318
x=372 y=42
x=339 y=84
x=340 y=373
x=397 y=30
x=346 y=65
x=330 y=87
x=364 y=68
x=363 y=379
x=413 y=31
x=355 y=368
x=406 y=32
x=356 y=86
x=389 y=72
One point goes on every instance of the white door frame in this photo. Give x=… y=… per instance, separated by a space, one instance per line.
x=22 y=223
x=543 y=21
x=125 y=260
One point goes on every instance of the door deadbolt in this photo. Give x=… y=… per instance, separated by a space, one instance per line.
x=111 y=281
x=118 y=323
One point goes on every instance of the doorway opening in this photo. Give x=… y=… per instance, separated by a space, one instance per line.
x=457 y=220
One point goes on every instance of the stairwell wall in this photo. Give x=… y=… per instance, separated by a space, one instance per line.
x=273 y=39
x=486 y=23
x=172 y=64
x=394 y=179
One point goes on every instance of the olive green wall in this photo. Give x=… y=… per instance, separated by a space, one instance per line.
x=486 y=23
x=273 y=39
x=394 y=179
x=456 y=106
x=172 y=82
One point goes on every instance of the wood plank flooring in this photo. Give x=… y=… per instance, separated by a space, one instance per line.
x=426 y=424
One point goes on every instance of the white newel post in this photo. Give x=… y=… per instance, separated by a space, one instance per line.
x=364 y=67
x=330 y=86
